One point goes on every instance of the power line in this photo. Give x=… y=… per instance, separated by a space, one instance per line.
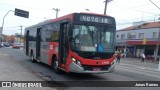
x=157 y=47
x=126 y=23
x=13 y=30
x=137 y=18
x=135 y=8
x=138 y=6
x=154 y=4
x=12 y=27
x=23 y=6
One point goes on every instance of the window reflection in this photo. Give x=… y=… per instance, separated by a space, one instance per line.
x=92 y=38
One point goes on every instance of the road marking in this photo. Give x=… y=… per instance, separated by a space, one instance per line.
x=136 y=66
x=143 y=68
x=9 y=54
x=146 y=72
x=4 y=55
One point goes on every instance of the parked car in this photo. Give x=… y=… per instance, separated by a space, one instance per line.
x=11 y=44
x=21 y=44
x=1 y=45
x=6 y=44
x=16 y=45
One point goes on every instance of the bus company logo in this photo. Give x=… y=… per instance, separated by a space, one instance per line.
x=21 y=84
x=6 y=84
x=105 y=62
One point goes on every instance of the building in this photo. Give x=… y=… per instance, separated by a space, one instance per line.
x=8 y=38
x=13 y=38
x=139 y=39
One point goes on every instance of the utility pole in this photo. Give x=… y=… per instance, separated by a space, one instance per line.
x=21 y=34
x=88 y=10
x=1 y=29
x=157 y=48
x=57 y=10
x=105 y=8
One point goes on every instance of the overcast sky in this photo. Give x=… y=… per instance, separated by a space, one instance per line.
x=125 y=11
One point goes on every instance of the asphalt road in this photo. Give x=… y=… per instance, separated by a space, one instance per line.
x=122 y=73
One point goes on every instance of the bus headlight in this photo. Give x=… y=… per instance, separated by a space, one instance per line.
x=73 y=59
x=76 y=61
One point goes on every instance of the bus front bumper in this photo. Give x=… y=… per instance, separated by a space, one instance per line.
x=88 y=69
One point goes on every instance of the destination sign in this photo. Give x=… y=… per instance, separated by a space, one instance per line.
x=96 y=19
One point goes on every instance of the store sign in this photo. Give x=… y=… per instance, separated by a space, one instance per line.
x=144 y=41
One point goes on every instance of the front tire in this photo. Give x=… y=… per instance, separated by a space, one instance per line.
x=55 y=66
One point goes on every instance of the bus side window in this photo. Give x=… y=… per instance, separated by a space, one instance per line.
x=46 y=33
x=54 y=36
x=55 y=32
x=43 y=35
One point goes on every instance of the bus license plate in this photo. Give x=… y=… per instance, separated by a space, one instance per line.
x=96 y=69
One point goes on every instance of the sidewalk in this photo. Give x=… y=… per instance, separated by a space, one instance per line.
x=10 y=70
x=136 y=62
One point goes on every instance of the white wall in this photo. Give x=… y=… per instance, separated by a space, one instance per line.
x=148 y=33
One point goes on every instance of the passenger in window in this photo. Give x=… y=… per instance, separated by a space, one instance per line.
x=86 y=40
x=76 y=36
x=103 y=41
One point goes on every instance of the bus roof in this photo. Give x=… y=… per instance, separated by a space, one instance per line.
x=53 y=20
x=69 y=16
x=94 y=14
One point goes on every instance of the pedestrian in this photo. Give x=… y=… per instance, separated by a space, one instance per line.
x=118 y=56
x=143 y=57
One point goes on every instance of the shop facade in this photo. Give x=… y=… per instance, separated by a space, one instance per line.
x=135 y=40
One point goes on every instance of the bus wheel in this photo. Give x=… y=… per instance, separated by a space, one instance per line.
x=55 y=66
x=32 y=58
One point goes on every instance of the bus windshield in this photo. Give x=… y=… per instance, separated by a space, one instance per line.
x=92 y=38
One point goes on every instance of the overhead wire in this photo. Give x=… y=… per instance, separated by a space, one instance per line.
x=120 y=22
x=135 y=9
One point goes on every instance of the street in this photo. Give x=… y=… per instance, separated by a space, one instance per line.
x=42 y=72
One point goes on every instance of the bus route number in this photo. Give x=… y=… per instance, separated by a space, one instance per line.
x=94 y=19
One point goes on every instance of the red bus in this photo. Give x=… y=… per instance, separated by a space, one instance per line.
x=78 y=42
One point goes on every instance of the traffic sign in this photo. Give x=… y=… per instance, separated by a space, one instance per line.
x=21 y=13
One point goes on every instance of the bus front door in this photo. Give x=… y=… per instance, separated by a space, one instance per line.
x=63 y=43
